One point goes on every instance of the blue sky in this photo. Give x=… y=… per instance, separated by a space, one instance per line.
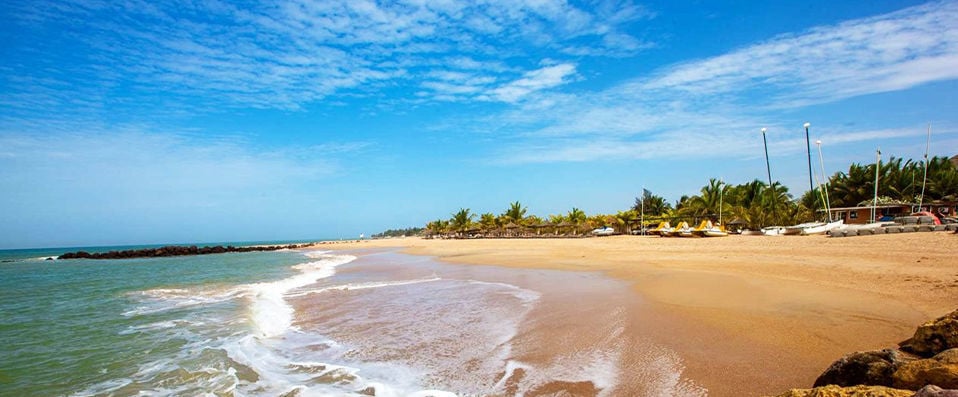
x=126 y=122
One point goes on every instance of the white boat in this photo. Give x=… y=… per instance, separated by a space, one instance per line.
x=684 y=230
x=714 y=231
x=822 y=228
x=773 y=230
x=658 y=229
x=673 y=231
x=604 y=231
x=795 y=230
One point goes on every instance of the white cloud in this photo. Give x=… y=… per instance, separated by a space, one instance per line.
x=293 y=52
x=540 y=79
x=713 y=102
x=884 y=53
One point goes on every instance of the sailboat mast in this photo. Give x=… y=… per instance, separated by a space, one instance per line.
x=808 y=150
x=924 y=179
x=823 y=185
x=877 y=168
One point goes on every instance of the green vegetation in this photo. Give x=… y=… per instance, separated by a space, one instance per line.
x=897 y=182
x=411 y=231
x=750 y=205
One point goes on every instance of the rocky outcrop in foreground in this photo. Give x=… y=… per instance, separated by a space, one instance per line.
x=174 y=250
x=926 y=365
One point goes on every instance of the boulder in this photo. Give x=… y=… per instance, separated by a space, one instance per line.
x=851 y=391
x=935 y=391
x=863 y=368
x=941 y=370
x=934 y=337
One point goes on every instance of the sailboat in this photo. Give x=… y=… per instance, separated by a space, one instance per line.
x=874 y=226
x=773 y=230
x=813 y=228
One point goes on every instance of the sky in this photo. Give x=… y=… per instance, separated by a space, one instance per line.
x=136 y=122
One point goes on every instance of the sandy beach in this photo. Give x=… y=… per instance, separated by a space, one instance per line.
x=748 y=315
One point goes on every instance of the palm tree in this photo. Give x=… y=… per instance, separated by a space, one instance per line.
x=942 y=180
x=438 y=226
x=709 y=203
x=577 y=218
x=487 y=222
x=516 y=213
x=759 y=205
x=625 y=219
x=651 y=204
x=855 y=186
x=556 y=219
x=461 y=220
x=778 y=202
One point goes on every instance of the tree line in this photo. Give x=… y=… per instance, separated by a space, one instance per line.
x=752 y=204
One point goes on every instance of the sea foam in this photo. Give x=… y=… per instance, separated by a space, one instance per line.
x=271 y=314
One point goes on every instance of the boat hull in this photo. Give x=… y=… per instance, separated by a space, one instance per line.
x=821 y=229
x=773 y=231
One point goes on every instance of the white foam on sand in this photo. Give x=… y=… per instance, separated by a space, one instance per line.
x=362 y=286
x=271 y=314
x=396 y=338
x=661 y=373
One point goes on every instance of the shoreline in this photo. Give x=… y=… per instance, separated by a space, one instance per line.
x=749 y=315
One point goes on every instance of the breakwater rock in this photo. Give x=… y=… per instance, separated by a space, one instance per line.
x=175 y=250
x=925 y=365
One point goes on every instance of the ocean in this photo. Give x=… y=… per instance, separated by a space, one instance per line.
x=317 y=323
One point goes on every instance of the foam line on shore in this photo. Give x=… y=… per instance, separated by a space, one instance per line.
x=271 y=315
x=361 y=286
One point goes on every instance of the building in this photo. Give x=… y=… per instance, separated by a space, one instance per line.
x=863 y=214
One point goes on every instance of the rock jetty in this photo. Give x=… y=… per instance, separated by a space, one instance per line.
x=175 y=250
x=925 y=365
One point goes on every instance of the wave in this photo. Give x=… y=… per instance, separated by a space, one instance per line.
x=406 y=337
x=271 y=314
x=161 y=300
x=361 y=286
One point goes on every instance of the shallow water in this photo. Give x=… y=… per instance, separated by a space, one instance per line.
x=318 y=323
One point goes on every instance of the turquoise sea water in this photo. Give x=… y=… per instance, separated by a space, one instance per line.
x=70 y=326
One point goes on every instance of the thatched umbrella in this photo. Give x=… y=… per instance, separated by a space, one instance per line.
x=563 y=225
x=471 y=230
x=511 y=227
x=541 y=225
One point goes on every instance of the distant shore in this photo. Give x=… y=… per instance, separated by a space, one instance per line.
x=750 y=315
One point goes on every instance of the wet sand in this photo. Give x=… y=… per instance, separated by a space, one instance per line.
x=748 y=315
x=488 y=330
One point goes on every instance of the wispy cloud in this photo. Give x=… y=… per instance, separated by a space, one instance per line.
x=885 y=53
x=713 y=102
x=294 y=52
x=536 y=80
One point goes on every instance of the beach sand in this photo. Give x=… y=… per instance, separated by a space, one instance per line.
x=748 y=315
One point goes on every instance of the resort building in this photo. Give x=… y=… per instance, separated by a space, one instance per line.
x=862 y=214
